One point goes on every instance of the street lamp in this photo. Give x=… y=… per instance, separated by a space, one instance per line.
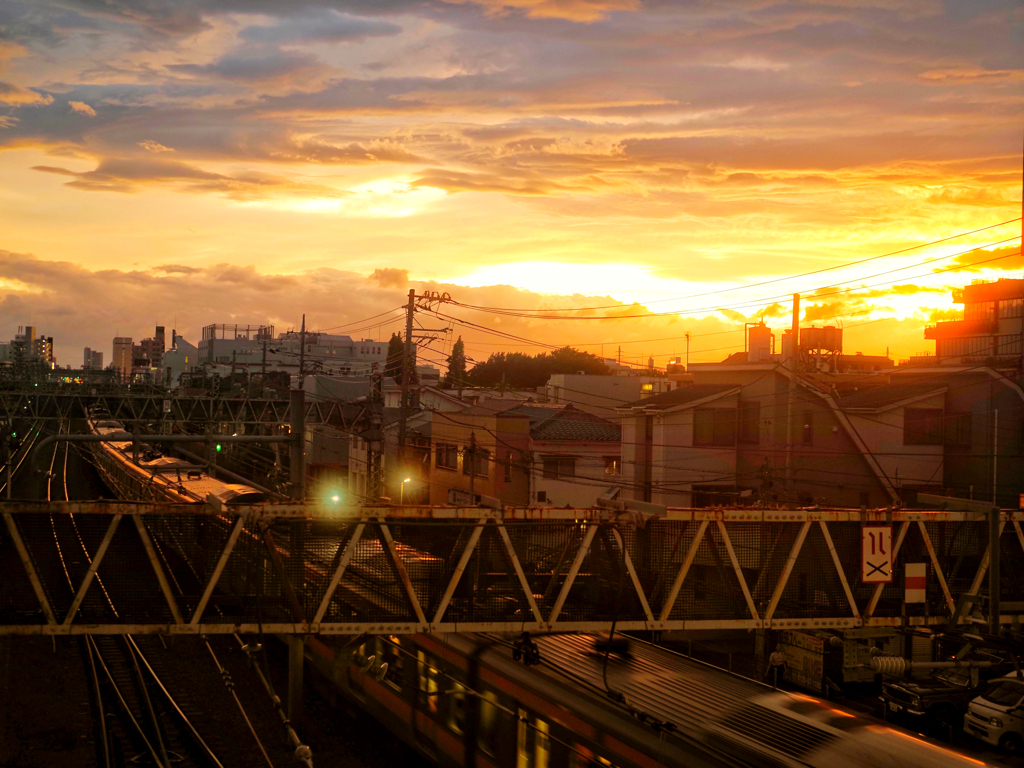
x=402 y=495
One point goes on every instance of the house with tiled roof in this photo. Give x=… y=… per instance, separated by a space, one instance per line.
x=575 y=455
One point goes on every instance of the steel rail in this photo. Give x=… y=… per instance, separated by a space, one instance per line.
x=134 y=653
x=174 y=704
x=138 y=439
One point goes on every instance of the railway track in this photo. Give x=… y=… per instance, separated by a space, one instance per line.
x=138 y=720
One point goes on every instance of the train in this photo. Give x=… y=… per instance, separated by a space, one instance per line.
x=156 y=476
x=465 y=701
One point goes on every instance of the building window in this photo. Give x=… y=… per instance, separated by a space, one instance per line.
x=447 y=456
x=1011 y=308
x=556 y=468
x=980 y=310
x=508 y=468
x=714 y=426
x=476 y=461
x=542 y=496
x=1008 y=345
x=750 y=419
x=922 y=426
x=958 y=430
x=808 y=428
x=611 y=465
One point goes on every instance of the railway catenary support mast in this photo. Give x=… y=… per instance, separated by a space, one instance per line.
x=688 y=569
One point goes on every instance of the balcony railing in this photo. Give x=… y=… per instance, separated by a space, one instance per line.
x=951 y=329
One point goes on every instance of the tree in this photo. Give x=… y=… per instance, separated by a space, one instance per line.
x=456 y=376
x=396 y=352
x=521 y=371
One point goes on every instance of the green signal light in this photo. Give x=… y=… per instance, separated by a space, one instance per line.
x=218 y=447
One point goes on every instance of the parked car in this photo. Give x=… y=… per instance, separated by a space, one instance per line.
x=940 y=700
x=997 y=716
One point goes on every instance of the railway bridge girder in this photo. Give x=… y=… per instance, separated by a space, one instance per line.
x=316 y=569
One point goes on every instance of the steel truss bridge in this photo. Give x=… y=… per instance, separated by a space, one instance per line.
x=74 y=401
x=294 y=569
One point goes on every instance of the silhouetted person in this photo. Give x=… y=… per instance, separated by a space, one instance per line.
x=776 y=666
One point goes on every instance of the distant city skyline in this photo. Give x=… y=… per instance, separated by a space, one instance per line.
x=184 y=162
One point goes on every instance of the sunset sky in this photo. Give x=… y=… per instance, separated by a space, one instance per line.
x=186 y=162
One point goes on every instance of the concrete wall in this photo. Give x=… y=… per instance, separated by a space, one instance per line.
x=913 y=465
x=503 y=435
x=590 y=479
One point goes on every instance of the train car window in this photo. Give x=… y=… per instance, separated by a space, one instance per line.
x=541 y=744
x=489 y=723
x=581 y=757
x=389 y=650
x=427 y=681
x=523 y=753
x=585 y=758
x=457 y=709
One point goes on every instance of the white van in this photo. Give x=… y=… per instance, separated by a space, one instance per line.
x=997 y=716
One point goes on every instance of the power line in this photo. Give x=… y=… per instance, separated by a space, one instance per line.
x=789 y=277
x=529 y=314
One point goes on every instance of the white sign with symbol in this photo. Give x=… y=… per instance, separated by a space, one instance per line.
x=876 y=554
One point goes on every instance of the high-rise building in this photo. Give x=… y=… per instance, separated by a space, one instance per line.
x=42 y=350
x=122 y=359
x=92 y=359
x=152 y=349
x=991 y=329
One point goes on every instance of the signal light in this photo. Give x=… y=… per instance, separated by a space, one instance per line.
x=218 y=447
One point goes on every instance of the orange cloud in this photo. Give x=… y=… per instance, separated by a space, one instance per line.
x=1007 y=257
x=82 y=108
x=17 y=96
x=571 y=10
x=131 y=174
x=974 y=75
x=154 y=146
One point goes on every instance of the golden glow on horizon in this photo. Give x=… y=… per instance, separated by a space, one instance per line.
x=229 y=166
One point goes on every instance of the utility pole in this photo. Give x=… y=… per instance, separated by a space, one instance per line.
x=297 y=459
x=263 y=366
x=790 y=362
x=302 y=351
x=993 y=570
x=687 y=351
x=374 y=444
x=407 y=357
x=471 y=458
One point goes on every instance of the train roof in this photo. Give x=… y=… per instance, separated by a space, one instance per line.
x=693 y=696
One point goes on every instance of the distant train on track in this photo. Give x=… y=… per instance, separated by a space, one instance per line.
x=156 y=476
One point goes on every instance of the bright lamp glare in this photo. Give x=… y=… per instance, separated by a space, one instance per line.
x=335 y=497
